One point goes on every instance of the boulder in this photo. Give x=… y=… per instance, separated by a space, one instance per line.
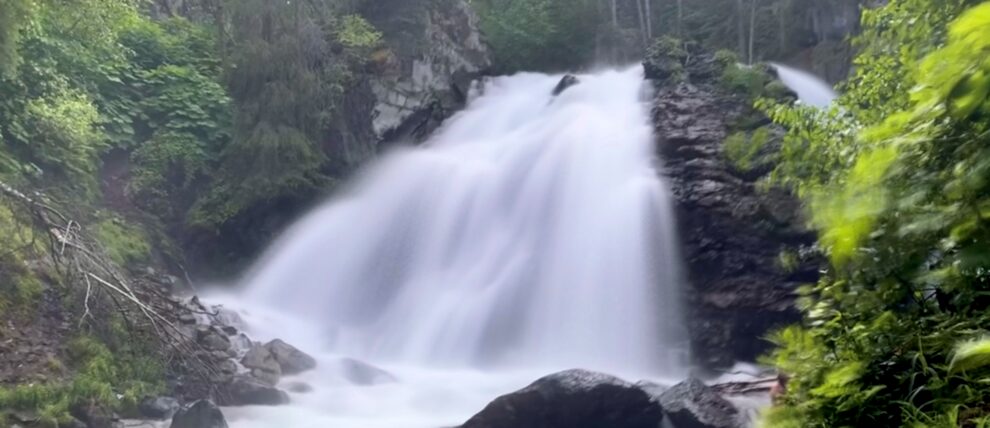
x=291 y=360
x=261 y=362
x=94 y=416
x=566 y=82
x=572 y=399
x=214 y=341
x=248 y=391
x=692 y=404
x=158 y=407
x=361 y=373
x=200 y=414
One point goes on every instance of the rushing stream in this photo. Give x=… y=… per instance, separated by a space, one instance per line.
x=531 y=234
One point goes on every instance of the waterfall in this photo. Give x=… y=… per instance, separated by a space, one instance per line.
x=532 y=233
x=810 y=89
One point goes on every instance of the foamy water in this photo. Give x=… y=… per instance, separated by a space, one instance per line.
x=531 y=234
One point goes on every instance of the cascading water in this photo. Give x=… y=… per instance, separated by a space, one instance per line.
x=810 y=89
x=531 y=234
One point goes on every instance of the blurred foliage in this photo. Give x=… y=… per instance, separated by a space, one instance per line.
x=744 y=150
x=896 y=178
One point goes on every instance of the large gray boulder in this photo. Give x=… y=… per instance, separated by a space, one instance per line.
x=572 y=399
x=692 y=404
x=290 y=360
x=160 y=408
x=248 y=391
x=261 y=362
x=201 y=414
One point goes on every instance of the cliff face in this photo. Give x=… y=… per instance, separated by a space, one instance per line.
x=733 y=233
x=435 y=50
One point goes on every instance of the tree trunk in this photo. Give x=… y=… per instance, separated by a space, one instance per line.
x=649 y=19
x=741 y=27
x=642 y=22
x=752 y=28
x=680 y=18
x=783 y=12
x=615 y=14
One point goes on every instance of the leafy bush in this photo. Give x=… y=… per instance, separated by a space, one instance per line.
x=743 y=151
x=749 y=80
x=665 y=60
x=894 y=333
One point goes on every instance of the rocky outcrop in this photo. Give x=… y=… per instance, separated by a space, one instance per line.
x=733 y=234
x=435 y=50
x=200 y=414
x=692 y=404
x=262 y=365
x=240 y=371
x=290 y=360
x=572 y=399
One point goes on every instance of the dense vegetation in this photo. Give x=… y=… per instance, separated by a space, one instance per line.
x=142 y=125
x=896 y=176
x=569 y=34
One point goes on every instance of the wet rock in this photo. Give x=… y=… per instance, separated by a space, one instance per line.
x=653 y=389
x=692 y=404
x=572 y=399
x=732 y=232
x=261 y=362
x=299 y=387
x=158 y=407
x=227 y=366
x=361 y=373
x=94 y=416
x=291 y=360
x=248 y=391
x=201 y=414
x=566 y=82
x=212 y=339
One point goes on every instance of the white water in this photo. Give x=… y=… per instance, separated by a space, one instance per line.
x=810 y=89
x=531 y=234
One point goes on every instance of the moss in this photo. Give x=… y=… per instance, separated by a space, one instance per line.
x=125 y=244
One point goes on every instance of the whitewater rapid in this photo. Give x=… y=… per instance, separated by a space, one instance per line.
x=531 y=234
